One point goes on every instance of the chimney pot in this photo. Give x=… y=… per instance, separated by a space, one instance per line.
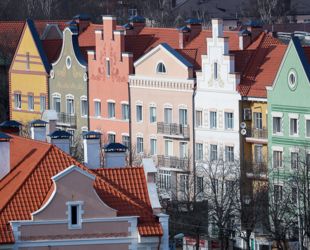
x=61 y=139
x=38 y=130
x=92 y=149
x=5 y=163
x=115 y=155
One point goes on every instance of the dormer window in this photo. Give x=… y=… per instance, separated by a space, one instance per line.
x=74 y=214
x=161 y=68
x=215 y=70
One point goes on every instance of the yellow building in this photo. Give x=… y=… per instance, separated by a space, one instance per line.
x=29 y=71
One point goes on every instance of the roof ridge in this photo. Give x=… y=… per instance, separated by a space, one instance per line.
x=30 y=173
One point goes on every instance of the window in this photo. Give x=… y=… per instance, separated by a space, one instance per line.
x=111 y=110
x=125 y=111
x=199 y=151
x=30 y=102
x=278 y=192
x=139 y=145
x=84 y=107
x=308 y=128
x=125 y=140
x=183 y=116
x=277 y=159
x=258 y=154
x=168 y=115
x=183 y=150
x=247 y=114
x=168 y=148
x=161 y=68
x=27 y=60
x=164 y=179
x=229 y=120
x=213 y=152
x=111 y=137
x=97 y=108
x=42 y=103
x=152 y=114
x=56 y=103
x=293 y=126
x=17 y=101
x=68 y=62
x=153 y=146
x=276 y=125
x=198 y=118
x=258 y=122
x=199 y=184
x=183 y=183
x=294 y=160
x=132 y=12
x=213 y=119
x=74 y=215
x=70 y=105
x=229 y=154
x=215 y=70
x=108 y=67
x=139 y=116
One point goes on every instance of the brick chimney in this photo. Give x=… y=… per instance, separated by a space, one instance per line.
x=83 y=21
x=92 y=149
x=38 y=130
x=5 y=163
x=195 y=26
x=138 y=23
x=115 y=155
x=244 y=39
x=184 y=34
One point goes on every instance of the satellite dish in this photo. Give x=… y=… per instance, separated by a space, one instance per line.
x=242 y=125
x=243 y=131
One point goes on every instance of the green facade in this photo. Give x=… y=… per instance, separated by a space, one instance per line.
x=289 y=102
x=69 y=81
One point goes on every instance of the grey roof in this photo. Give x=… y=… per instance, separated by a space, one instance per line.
x=60 y=134
x=10 y=124
x=4 y=137
x=38 y=123
x=91 y=135
x=115 y=147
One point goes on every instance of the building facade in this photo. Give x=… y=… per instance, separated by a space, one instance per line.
x=68 y=84
x=109 y=67
x=161 y=101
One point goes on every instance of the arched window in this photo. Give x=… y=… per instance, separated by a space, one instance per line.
x=161 y=68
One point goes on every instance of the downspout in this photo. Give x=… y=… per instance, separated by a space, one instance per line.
x=88 y=101
x=159 y=243
x=130 y=127
x=194 y=148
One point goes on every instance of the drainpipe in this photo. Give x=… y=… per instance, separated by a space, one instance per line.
x=194 y=148
x=130 y=132
x=88 y=102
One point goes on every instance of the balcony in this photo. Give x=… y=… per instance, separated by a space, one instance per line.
x=173 y=162
x=65 y=119
x=173 y=129
x=256 y=170
x=257 y=135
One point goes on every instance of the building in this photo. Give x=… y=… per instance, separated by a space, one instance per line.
x=68 y=82
x=68 y=205
x=161 y=101
x=109 y=67
x=30 y=67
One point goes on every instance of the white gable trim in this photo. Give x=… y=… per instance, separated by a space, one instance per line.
x=152 y=52
x=69 y=170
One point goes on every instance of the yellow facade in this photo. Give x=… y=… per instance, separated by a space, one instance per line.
x=28 y=77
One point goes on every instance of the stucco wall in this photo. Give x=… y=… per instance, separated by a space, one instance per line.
x=82 y=247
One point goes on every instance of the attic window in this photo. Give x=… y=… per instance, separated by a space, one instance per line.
x=74 y=214
x=27 y=60
x=161 y=68
x=68 y=62
x=292 y=79
x=215 y=71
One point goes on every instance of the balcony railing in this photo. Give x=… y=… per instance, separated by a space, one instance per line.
x=173 y=162
x=258 y=133
x=173 y=129
x=66 y=119
x=256 y=170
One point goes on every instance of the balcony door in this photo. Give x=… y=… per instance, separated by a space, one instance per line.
x=168 y=115
x=183 y=116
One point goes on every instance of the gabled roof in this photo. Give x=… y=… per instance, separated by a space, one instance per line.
x=29 y=183
x=262 y=67
x=302 y=56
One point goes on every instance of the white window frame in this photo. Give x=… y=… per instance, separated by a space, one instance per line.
x=211 y=152
x=307 y=118
x=294 y=117
x=153 y=150
x=42 y=104
x=168 y=147
x=162 y=70
x=17 y=100
x=229 y=121
x=111 y=104
x=30 y=101
x=184 y=116
x=168 y=108
x=125 y=111
x=96 y=113
x=211 y=120
x=277 y=115
x=58 y=96
x=140 y=150
x=127 y=141
x=80 y=212
x=111 y=133
x=83 y=99
x=227 y=153
x=153 y=118
x=198 y=118
x=140 y=118
x=70 y=97
x=277 y=149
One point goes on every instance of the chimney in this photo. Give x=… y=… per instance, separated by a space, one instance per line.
x=50 y=116
x=11 y=127
x=150 y=172
x=184 y=33
x=255 y=27
x=109 y=25
x=5 y=163
x=92 y=149
x=217 y=27
x=83 y=21
x=195 y=26
x=61 y=139
x=115 y=155
x=137 y=22
x=244 y=39
x=38 y=130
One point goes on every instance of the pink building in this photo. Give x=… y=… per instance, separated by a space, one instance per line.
x=48 y=200
x=109 y=67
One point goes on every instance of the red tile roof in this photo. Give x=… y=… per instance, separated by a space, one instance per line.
x=87 y=37
x=262 y=67
x=52 y=49
x=307 y=52
x=28 y=185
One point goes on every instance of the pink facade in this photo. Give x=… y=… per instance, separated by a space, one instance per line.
x=109 y=67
